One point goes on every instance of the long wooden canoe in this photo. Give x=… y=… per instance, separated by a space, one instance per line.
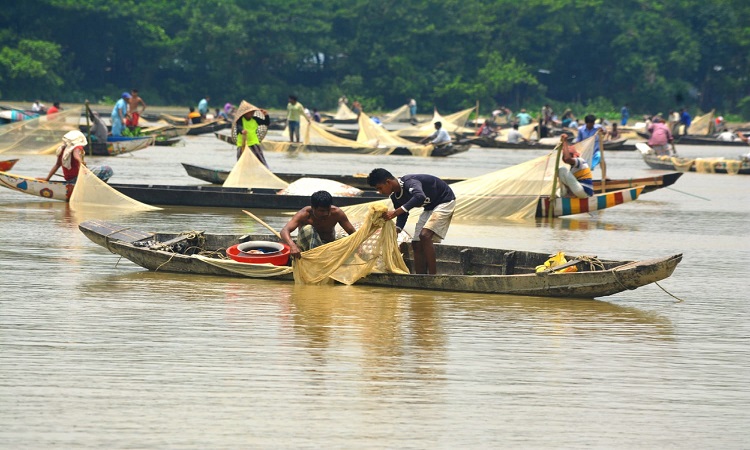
x=708 y=140
x=119 y=145
x=742 y=167
x=460 y=268
x=221 y=197
x=483 y=141
x=403 y=151
x=216 y=176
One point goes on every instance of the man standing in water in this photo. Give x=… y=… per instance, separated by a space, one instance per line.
x=316 y=224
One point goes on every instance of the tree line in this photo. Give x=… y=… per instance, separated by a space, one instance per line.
x=653 y=55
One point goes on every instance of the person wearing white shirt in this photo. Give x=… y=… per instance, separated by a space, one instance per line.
x=439 y=137
x=515 y=136
x=726 y=136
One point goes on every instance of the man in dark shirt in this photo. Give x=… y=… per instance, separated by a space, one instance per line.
x=414 y=191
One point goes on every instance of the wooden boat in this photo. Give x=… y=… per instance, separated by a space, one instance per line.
x=216 y=176
x=7 y=164
x=708 y=140
x=207 y=127
x=167 y=142
x=221 y=197
x=484 y=141
x=117 y=145
x=403 y=151
x=716 y=165
x=460 y=268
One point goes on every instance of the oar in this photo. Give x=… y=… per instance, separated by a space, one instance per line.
x=257 y=219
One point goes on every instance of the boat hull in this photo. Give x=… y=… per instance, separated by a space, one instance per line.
x=460 y=268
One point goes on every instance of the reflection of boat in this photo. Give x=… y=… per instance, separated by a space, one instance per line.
x=217 y=176
x=461 y=269
x=7 y=164
x=704 y=165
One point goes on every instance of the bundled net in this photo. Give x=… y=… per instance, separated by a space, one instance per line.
x=91 y=191
x=453 y=123
x=314 y=134
x=249 y=172
x=372 y=248
x=680 y=164
x=372 y=134
x=344 y=113
x=701 y=125
x=511 y=193
x=40 y=135
x=396 y=115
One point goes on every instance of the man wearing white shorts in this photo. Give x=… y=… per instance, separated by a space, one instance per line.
x=413 y=191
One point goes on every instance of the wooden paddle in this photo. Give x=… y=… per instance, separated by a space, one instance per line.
x=257 y=219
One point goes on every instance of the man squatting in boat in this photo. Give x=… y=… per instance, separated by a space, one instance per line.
x=316 y=224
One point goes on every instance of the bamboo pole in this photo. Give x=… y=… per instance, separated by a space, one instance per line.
x=553 y=194
x=476 y=120
x=257 y=219
x=89 y=145
x=603 y=163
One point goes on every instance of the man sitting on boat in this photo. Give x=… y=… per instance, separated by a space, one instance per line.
x=70 y=158
x=440 y=137
x=515 y=136
x=315 y=224
x=576 y=180
x=414 y=191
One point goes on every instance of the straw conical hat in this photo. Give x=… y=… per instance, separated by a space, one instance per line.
x=245 y=108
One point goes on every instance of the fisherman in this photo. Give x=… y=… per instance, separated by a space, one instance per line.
x=120 y=114
x=661 y=138
x=134 y=101
x=315 y=224
x=70 y=158
x=439 y=138
x=294 y=111
x=515 y=136
x=577 y=179
x=249 y=130
x=414 y=191
x=591 y=128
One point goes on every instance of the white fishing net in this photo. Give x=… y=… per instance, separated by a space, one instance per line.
x=91 y=191
x=249 y=172
x=40 y=135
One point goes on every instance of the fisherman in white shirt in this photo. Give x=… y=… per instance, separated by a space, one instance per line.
x=439 y=137
x=726 y=136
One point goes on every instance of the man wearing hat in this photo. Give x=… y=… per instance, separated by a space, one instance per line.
x=120 y=114
x=249 y=128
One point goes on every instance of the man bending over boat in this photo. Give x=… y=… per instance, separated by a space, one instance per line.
x=70 y=158
x=413 y=191
x=576 y=180
x=315 y=224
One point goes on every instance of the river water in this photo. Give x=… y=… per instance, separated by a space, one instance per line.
x=97 y=353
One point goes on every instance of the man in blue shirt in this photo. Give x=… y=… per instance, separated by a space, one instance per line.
x=414 y=191
x=203 y=107
x=624 y=115
x=685 y=119
x=586 y=131
x=120 y=114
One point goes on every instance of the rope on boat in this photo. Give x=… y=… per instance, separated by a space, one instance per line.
x=679 y=300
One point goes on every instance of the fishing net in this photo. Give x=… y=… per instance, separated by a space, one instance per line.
x=372 y=248
x=245 y=269
x=249 y=172
x=40 y=135
x=317 y=138
x=680 y=164
x=372 y=134
x=91 y=191
x=308 y=186
x=344 y=113
x=702 y=125
x=452 y=123
x=527 y=131
x=396 y=115
x=510 y=193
